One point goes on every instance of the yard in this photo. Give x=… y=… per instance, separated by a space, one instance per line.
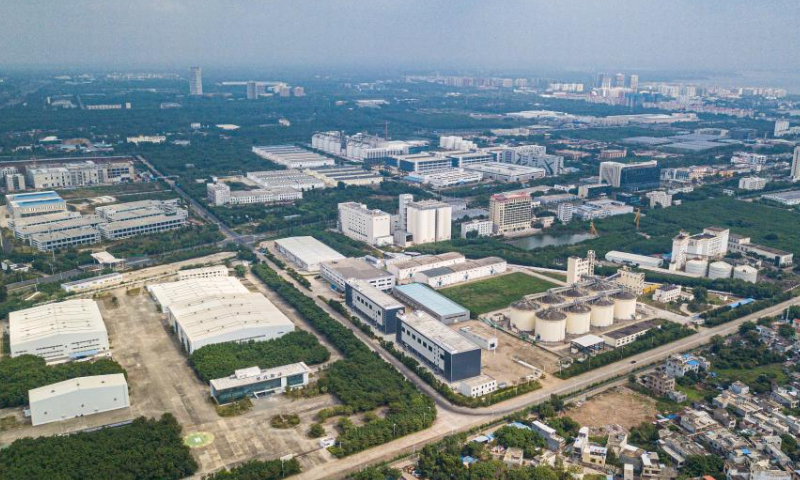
x=495 y=293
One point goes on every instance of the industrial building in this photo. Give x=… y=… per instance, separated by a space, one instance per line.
x=461 y=272
x=510 y=213
x=292 y=157
x=422 y=297
x=477 y=386
x=286 y=178
x=92 y=283
x=780 y=258
x=219 y=194
x=632 y=259
x=362 y=147
x=378 y=307
x=27 y=222
x=630 y=176
x=667 y=293
x=255 y=382
x=470 y=158
x=486 y=342
x=203 y=272
x=144 y=226
x=366 y=225
x=482 y=227
x=790 y=198
x=420 y=163
x=446 y=178
x=601 y=209
x=138 y=209
x=447 y=352
x=577 y=267
x=306 y=252
x=167 y=294
x=338 y=272
x=346 y=174
x=507 y=172
x=212 y=319
x=78 y=397
x=25 y=232
x=80 y=174
x=429 y=221
x=532 y=156
x=626 y=335
x=709 y=245
x=405 y=270
x=59 y=332
x=21 y=205
x=45 y=242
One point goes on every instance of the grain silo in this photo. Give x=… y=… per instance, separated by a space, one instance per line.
x=574 y=293
x=551 y=325
x=697 y=267
x=522 y=315
x=551 y=299
x=578 y=319
x=624 y=305
x=719 y=270
x=746 y=273
x=602 y=312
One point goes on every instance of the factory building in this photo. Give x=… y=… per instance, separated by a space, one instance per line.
x=25 y=232
x=420 y=163
x=292 y=157
x=203 y=272
x=482 y=227
x=601 y=209
x=626 y=335
x=346 y=174
x=630 y=176
x=507 y=172
x=632 y=259
x=78 y=397
x=470 y=158
x=79 y=174
x=244 y=317
x=144 y=226
x=21 y=205
x=286 y=178
x=422 y=297
x=709 y=245
x=577 y=267
x=45 y=242
x=446 y=178
x=338 y=272
x=220 y=194
x=92 y=283
x=306 y=252
x=405 y=270
x=429 y=221
x=255 y=382
x=378 y=307
x=28 y=222
x=167 y=294
x=59 y=332
x=447 y=352
x=461 y=272
x=532 y=156
x=667 y=293
x=510 y=212
x=365 y=225
x=139 y=209
x=780 y=258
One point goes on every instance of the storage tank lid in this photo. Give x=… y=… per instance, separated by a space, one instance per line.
x=746 y=268
x=574 y=292
x=720 y=265
x=625 y=295
x=525 y=305
x=552 y=299
x=550 y=314
x=600 y=287
x=604 y=302
x=578 y=308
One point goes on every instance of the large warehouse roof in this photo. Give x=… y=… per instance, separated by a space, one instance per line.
x=76 y=384
x=309 y=249
x=438 y=332
x=70 y=317
x=432 y=300
x=167 y=294
x=217 y=315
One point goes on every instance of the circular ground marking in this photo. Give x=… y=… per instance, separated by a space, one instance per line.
x=198 y=439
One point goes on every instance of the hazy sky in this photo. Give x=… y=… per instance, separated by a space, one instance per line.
x=523 y=35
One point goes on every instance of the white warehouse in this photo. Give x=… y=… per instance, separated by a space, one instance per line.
x=59 y=332
x=203 y=272
x=165 y=294
x=306 y=252
x=461 y=272
x=78 y=397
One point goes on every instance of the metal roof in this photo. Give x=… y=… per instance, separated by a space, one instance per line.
x=438 y=332
x=76 y=384
x=69 y=317
x=432 y=300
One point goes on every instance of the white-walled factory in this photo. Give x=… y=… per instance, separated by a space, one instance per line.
x=78 y=397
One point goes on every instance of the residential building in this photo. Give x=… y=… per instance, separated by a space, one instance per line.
x=78 y=397
x=794 y=174
x=554 y=441
x=752 y=183
x=658 y=382
x=482 y=227
x=255 y=382
x=659 y=198
x=421 y=297
x=338 y=272
x=696 y=421
x=429 y=221
x=441 y=277
x=195 y=81
x=510 y=213
x=307 y=253
x=630 y=176
x=360 y=223
x=679 y=365
x=565 y=212
x=378 y=307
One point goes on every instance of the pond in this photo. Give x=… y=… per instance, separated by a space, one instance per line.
x=539 y=241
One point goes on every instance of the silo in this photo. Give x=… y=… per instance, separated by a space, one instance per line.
x=601 y=287
x=746 y=273
x=624 y=305
x=574 y=293
x=578 y=318
x=551 y=325
x=697 y=267
x=719 y=270
x=523 y=315
x=551 y=299
x=602 y=312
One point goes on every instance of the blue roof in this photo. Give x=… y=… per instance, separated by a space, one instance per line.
x=693 y=362
x=39 y=202
x=431 y=299
x=519 y=425
x=33 y=195
x=468 y=460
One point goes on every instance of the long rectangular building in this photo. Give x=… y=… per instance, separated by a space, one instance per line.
x=378 y=307
x=306 y=252
x=165 y=294
x=255 y=382
x=144 y=226
x=338 y=272
x=22 y=205
x=25 y=232
x=422 y=297
x=450 y=354
x=461 y=272
x=292 y=157
x=286 y=178
x=18 y=223
x=44 y=242
x=405 y=270
x=59 y=332
x=346 y=174
x=78 y=397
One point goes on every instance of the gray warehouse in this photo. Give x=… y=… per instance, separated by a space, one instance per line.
x=422 y=297
x=381 y=309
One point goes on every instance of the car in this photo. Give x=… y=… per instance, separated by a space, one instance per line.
x=633 y=361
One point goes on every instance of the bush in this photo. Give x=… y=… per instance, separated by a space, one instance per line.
x=284 y=421
x=258 y=470
x=316 y=430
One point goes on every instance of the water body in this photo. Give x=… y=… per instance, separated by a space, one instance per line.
x=540 y=241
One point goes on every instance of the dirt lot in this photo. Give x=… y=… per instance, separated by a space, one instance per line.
x=621 y=406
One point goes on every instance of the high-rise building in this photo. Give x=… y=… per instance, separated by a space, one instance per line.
x=605 y=81
x=532 y=156
x=360 y=223
x=796 y=165
x=619 y=80
x=299 y=92
x=252 y=90
x=510 y=212
x=429 y=221
x=634 y=83
x=195 y=81
x=632 y=176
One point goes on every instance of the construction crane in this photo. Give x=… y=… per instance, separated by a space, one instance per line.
x=638 y=213
x=592 y=230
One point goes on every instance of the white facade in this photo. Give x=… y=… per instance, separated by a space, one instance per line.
x=752 y=183
x=360 y=223
x=462 y=272
x=483 y=227
x=667 y=293
x=486 y=342
x=532 y=156
x=405 y=270
x=59 y=332
x=795 y=172
x=712 y=243
x=292 y=157
x=204 y=272
x=477 y=386
x=625 y=258
x=306 y=252
x=338 y=272
x=286 y=178
x=80 y=174
x=78 y=397
x=195 y=81
x=144 y=226
x=507 y=172
x=429 y=221
x=92 y=283
x=36 y=203
x=577 y=267
x=447 y=178
x=166 y=294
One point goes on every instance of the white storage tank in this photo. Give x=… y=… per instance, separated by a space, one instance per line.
x=578 y=319
x=746 y=273
x=624 y=305
x=523 y=315
x=697 y=267
x=719 y=270
x=551 y=325
x=602 y=312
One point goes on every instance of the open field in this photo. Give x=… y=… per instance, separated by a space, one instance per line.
x=620 y=406
x=495 y=293
x=749 y=376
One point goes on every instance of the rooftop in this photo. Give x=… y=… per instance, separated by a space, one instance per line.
x=423 y=260
x=432 y=300
x=166 y=294
x=63 y=318
x=356 y=268
x=438 y=332
x=382 y=299
x=631 y=330
x=247 y=376
x=309 y=249
x=76 y=384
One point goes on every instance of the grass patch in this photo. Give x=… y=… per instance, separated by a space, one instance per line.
x=236 y=408
x=557 y=276
x=693 y=394
x=495 y=293
x=750 y=375
x=284 y=421
x=8 y=423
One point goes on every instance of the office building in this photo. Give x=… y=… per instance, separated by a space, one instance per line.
x=709 y=245
x=477 y=386
x=78 y=397
x=286 y=178
x=422 y=297
x=795 y=172
x=429 y=221
x=338 y=272
x=59 y=332
x=578 y=268
x=752 y=183
x=601 y=209
x=24 y=223
x=203 y=272
x=404 y=270
x=219 y=194
x=360 y=223
x=245 y=317
x=252 y=90
x=667 y=293
x=194 y=289
x=80 y=174
x=482 y=227
x=138 y=209
x=470 y=158
x=630 y=176
x=420 y=163
x=307 y=253
x=293 y=157
x=565 y=212
x=659 y=198
x=255 y=382
x=461 y=272
x=448 y=353
x=15 y=182
x=532 y=156
x=195 y=81
x=510 y=212
x=378 y=307
x=634 y=83
x=507 y=172
x=22 y=205
x=454 y=142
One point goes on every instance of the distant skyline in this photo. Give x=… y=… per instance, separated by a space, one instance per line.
x=515 y=35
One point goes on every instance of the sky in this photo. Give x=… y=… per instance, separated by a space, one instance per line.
x=515 y=35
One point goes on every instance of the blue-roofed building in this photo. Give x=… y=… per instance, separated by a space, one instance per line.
x=422 y=297
x=679 y=365
x=22 y=205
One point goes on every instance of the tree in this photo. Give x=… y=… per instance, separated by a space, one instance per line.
x=316 y=430
x=700 y=294
x=786 y=331
x=699 y=465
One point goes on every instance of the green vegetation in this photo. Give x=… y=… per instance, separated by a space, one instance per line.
x=316 y=430
x=529 y=441
x=495 y=293
x=236 y=408
x=172 y=240
x=25 y=372
x=147 y=449
x=377 y=473
x=222 y=359
x=258 y=470
x=361 y=381
x=668 y=332
x=700 y=465
x=284 y=421
x=645 y=436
